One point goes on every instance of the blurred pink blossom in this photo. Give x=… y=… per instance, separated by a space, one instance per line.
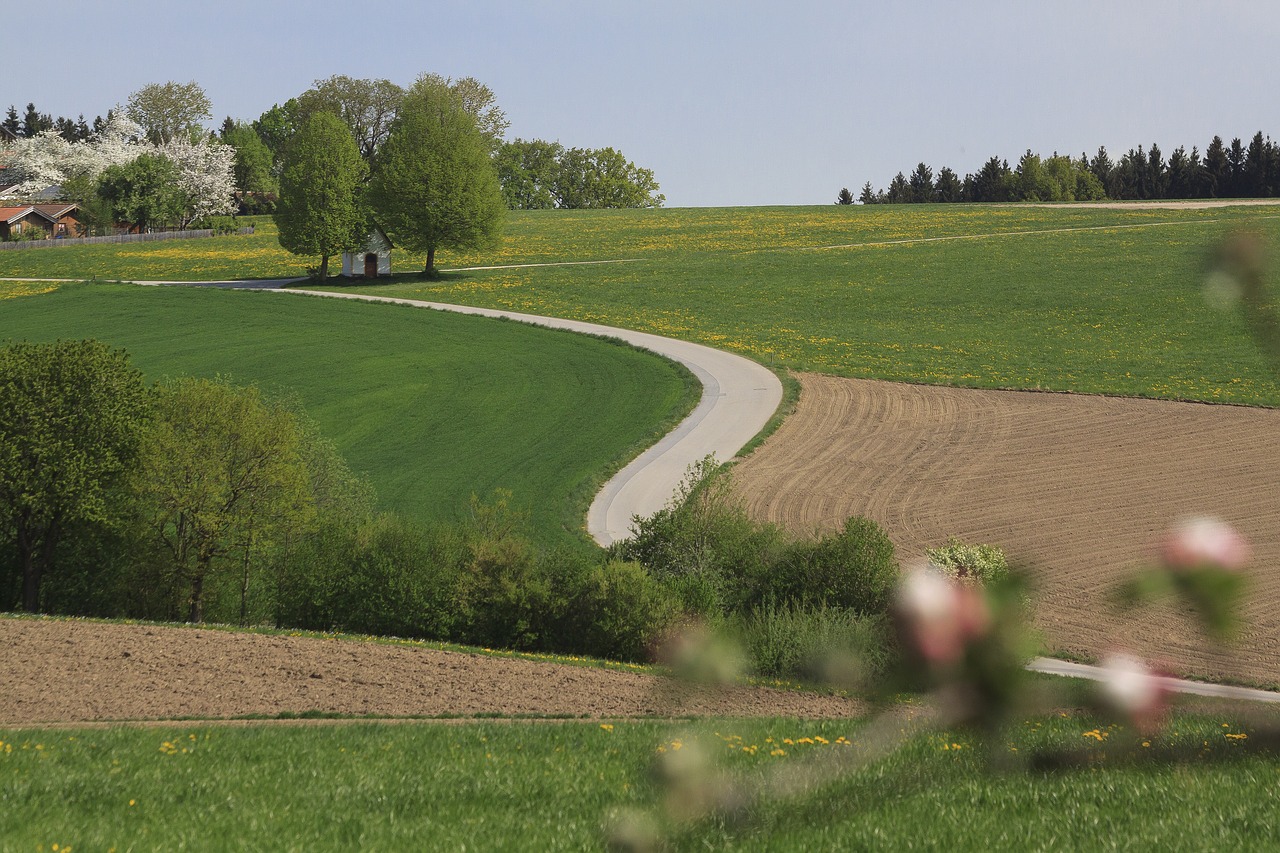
x=938 y=616
x=1198 y=542
x=1133 y=689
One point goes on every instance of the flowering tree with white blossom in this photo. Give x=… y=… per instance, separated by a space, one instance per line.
x=205 y=166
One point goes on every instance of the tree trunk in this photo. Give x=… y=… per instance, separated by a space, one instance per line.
x=324 y=267
x=196 y=613
x=30 y=581
x=431 y=262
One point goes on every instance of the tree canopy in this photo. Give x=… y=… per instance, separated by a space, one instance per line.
x=167 y=111
x=320 y=210
x=145 y=193
x=434 y=185
x=71 y=415
x=366 y=107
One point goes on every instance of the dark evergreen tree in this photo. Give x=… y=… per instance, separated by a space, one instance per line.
x=1253 y=182
x=921 y=184
x=1199 y=175
x=1181 y=183
x=991 y=183
x=844 y=196
x=899 y=191
x=868 y=195
x=82 y=129
x=948 y=188
x=11 y=122
x=35 y=122
x=1217 y=169
x=1157 y=177
x=1235 y=159
x=1104 y=170
x=66 y=128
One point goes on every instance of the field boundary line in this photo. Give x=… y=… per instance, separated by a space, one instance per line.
x=1029 y=233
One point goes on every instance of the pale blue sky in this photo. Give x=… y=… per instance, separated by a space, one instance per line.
x=728 y=102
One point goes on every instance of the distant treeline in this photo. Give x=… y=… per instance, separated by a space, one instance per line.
x=1223 y=171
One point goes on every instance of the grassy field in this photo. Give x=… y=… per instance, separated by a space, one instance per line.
x=553 y=785
x=433 y=407
x=1105 y=301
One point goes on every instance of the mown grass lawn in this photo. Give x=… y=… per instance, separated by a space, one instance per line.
x=434 y=407
x=553 y=786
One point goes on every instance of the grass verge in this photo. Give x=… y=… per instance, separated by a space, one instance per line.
x=541 y=786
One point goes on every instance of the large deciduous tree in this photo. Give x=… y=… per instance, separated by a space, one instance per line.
x=367 y=107
x=253 y=167
x=70 y=420
x=603 y=177
x=527 y=172
x=167 y=111
x=320 y=211
x=145 y=193
x=434 y=185
x=224 y=478
x=476 y=98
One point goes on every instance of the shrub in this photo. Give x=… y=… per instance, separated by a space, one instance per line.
x=854 y=568
x=704 y=543
x=972 y=564
x=625 y=609
x=806 y=642
x=28 y=233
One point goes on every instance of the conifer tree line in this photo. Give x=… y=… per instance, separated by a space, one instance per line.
x=1238 y=170
x=33 y=122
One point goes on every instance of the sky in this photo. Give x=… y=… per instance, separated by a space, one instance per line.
x=729 y=102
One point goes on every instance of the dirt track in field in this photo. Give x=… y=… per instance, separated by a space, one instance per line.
x=61 y=671
x=1078 y=487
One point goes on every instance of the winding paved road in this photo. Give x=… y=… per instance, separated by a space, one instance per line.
x=739 y=397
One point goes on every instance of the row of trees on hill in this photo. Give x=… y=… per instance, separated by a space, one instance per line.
x=241 y=167
x=531 y=173
x=424 y=175
x=1223 y=171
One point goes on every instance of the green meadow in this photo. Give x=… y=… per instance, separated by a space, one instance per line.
x=1063 y=298
x=1096 y=301
x=557 y=785
x=433 y=407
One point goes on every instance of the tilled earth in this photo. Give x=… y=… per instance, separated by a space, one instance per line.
x=72 y=671
x=1079 y=488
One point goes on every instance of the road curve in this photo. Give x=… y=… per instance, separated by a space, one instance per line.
x=739 y=397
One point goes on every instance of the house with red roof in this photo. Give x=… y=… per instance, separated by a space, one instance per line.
x=53 y=220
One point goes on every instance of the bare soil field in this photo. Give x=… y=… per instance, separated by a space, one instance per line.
x=1076 y=488
x=71 y=671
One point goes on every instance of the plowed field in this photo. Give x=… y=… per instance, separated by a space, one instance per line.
x=63 y=671
x=1078 y=488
